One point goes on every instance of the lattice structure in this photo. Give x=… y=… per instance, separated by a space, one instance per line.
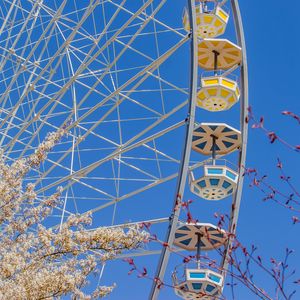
x=102 y=69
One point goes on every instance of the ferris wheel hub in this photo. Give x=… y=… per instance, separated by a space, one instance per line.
x=218 y=93
x=229 y=54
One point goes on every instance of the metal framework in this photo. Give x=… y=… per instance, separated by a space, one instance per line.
x=244 y=126
x=182 y=176
x=242 y=153
x=108 y=81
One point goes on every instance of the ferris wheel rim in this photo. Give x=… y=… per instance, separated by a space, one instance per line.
x=188 y=123
x=244 y=127
x=242 y=154
x=170 y=235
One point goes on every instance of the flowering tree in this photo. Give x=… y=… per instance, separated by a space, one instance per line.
x=44 y=263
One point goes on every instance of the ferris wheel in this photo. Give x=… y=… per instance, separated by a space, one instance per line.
x=154 y=100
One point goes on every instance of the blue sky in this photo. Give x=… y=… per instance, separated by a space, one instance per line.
x=271 y=30
x=273 y=47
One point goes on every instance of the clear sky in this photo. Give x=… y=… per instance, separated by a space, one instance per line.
x=113 y=111
x=273 y=47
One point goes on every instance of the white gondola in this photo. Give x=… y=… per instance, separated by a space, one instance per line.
x=216 y=183
x=199 y=284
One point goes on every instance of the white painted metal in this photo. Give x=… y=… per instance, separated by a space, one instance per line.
x=55 y=70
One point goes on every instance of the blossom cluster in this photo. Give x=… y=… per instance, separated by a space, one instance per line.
x=37 y=262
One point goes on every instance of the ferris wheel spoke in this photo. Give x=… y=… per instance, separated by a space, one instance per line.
x=93 y=188
x=118 y=57
x=127 y=46
x=160 y=153
x=20 y=32
x=152 y=66
x=134 y=193
x=7 y=15
x=155 y=76
x=155 y=20
x=139 y=254
x=67 y=23
x=157 y=152
x=41 y=38
x=86 y=170
x=9 y=31
x=28 y=31
x=118 y=159
x=82 y=138
x=135 y=101
x=14 y=110
x=84 y=65
x=129 y=195
x=70 y=37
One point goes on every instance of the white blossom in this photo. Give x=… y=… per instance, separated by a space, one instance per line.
x=37 y=262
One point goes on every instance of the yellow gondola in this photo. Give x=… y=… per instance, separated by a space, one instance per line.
x=218 y=54
x=209 y=24
x=218 y=93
